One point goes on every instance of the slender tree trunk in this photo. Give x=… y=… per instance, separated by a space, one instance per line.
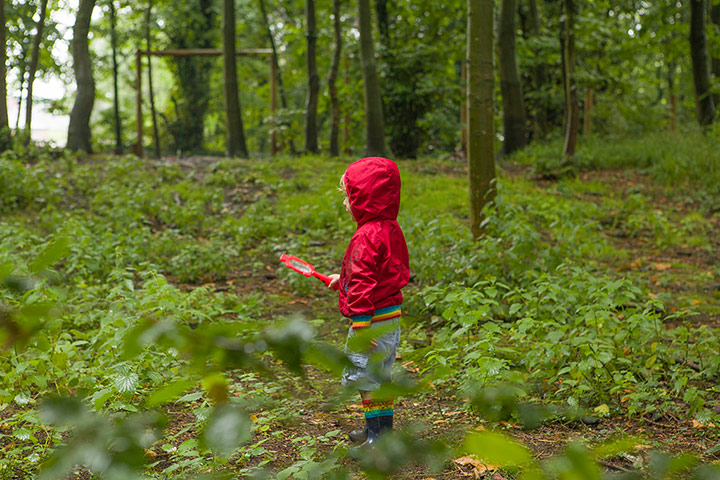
x=514 y=119
x=4 y=121
x=348 y=116
x=281 y=88
x=572 y=109
x=588 y=111
x=79 y=128
x=673 y=98
x=311 y=127
x=374 y=121
x=704 y=105
x=34 y=60
x=23 y=70
x=463 y=107
x=480 y=99
x=235 y=136
x=332 y=83
x=116 y=96
x=383 y=20
x=151 y=90
x=539 y=76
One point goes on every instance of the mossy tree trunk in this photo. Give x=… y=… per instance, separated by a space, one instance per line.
x=235 y=134
x=572 y=109
x=4 y=121
x=374 y=121
x=115 y=73
x=480 y=99
x=79 y=137
x=704 y=105
x=332 y=83
x=311 y=103
x=514 y=118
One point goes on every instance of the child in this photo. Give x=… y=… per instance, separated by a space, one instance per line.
x=374 y=269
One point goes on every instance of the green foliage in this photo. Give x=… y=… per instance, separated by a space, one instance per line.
x=688 y=161
x=123 y=363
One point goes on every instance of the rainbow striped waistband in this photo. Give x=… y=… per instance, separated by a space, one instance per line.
x=380 y=315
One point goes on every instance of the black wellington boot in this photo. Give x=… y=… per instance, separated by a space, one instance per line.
x=373 y=431
x=386 y=423
x=359 y=436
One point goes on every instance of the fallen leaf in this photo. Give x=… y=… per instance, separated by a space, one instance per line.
x=661 y=266
x=479 y=467
x=697 y=302
x=602 y=410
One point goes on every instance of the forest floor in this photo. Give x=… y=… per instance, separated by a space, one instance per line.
x=682 y=274
x=221 y=224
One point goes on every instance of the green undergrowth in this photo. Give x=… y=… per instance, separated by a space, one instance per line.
x=687 y=162
x=139 y=308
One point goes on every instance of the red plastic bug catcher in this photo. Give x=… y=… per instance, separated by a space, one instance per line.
x=304 y=268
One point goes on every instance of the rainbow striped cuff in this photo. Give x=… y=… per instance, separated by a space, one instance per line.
x=382 y=314
x=378 y=408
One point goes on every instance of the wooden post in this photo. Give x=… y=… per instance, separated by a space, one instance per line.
x=273 y=106
x=587 y=115
x=463 y=107
x=138 y=106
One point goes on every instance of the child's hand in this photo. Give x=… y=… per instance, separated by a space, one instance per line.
x=334 y=280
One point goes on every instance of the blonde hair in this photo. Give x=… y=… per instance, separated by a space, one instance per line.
x=342 y=187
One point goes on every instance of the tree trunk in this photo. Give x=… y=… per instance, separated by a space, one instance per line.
x=311 y=127
x=374 y=122
x=332 y=86
x=704 y=106
x=572 y=109
x=540 y=114
x=21 y=77
x=235 y=135
x=116 y=96
x=348 y=116
x=281 y=88
x=383 y=20
x=151 y=90
x=34 y=59
x=514 y=119
x=4 y=121
x=79 y=128
x=588 y=111
x=480 y=99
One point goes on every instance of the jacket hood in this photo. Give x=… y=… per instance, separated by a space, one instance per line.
x=373 y=188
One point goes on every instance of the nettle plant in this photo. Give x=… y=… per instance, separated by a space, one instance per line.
x=516 y=307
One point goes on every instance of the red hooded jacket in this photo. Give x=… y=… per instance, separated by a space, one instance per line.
x=375 y=266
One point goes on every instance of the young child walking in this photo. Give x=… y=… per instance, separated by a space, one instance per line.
x=374 y=270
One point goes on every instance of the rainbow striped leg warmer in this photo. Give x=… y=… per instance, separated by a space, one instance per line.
x=379 y=415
